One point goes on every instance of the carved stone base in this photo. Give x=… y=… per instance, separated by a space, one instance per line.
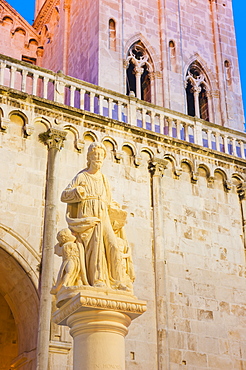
x=98 y=323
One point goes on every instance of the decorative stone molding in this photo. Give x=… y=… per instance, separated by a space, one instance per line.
x=227 y=185
x=28 y=130
x=4 y=123
x=79 y=144
x=98 y=323
x=177 y=172
x=137 y=160
x=241 y=190
x=44 y=15
x=96 y=299
x=194 y=177
x=53 y=138
x=118 y=155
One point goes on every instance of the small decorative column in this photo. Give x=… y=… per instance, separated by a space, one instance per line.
x=210 y=107
x=138 y=73
x=98 y=323
x=196 y=92
x=54 y=139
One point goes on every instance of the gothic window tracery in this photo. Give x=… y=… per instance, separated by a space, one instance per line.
x=197 y=92
x=139 y=72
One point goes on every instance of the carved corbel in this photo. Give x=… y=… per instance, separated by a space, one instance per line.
x=177 y=172
x=227 y=185
x=28 y=130
x=4 y=123
x=194 y=177
x=53 y=138
x=79 y=144
x=241 y=190
x=40 y=51
x=118 y=156
x=137 y=160
x=157 y=166
x=13 y=28
x=26 y=42
x=210 y=181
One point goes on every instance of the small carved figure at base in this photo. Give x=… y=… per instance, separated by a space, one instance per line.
x=69 y=273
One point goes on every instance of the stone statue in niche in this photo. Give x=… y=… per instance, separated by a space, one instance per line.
x=97 y=239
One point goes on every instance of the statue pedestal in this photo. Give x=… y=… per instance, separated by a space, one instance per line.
x=98 y=323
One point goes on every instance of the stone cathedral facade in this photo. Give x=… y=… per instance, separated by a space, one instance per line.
x=156 y=82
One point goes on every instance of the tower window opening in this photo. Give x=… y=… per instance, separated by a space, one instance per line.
x=197 y=90
x=138 y=73
x=112 y=35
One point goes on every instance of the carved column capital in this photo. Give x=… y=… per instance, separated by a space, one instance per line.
x=138 y=70
x=53 y=138
x=241 y=190
x=157 y=166
x=196 y=89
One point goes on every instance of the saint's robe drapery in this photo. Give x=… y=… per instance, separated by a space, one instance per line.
x=88 y=218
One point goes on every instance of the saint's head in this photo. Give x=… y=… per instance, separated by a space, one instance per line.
x=95 y=156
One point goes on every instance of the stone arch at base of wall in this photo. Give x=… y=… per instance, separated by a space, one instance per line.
x=18 y=290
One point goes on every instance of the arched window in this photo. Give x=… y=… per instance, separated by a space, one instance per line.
x=172 y=56
x=197 y=92
x=112 y=34
x=138 y=74
x=227 y=67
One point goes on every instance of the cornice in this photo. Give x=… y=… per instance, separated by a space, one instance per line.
x=7 y=9
x=44 y=14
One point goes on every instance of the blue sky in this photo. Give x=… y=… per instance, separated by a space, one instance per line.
x=239 y=8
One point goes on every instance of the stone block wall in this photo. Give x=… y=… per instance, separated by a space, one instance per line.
x=184 y=227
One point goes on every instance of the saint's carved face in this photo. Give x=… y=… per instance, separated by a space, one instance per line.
x=96 y=159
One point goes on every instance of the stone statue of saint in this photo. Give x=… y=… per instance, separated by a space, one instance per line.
x=97 y=223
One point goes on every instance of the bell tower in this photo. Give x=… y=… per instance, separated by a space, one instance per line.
x=173 y=53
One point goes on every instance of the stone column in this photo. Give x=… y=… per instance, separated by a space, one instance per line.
x=98 y=323
x=53 y=138
x=156 y=168
x=210 y=107
x=152 y=87
x=196 y=91
x=138 y=73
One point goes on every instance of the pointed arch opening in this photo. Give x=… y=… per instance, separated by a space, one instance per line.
x=139 y=72
x=197 y=92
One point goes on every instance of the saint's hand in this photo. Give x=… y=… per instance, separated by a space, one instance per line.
x=80 y=191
